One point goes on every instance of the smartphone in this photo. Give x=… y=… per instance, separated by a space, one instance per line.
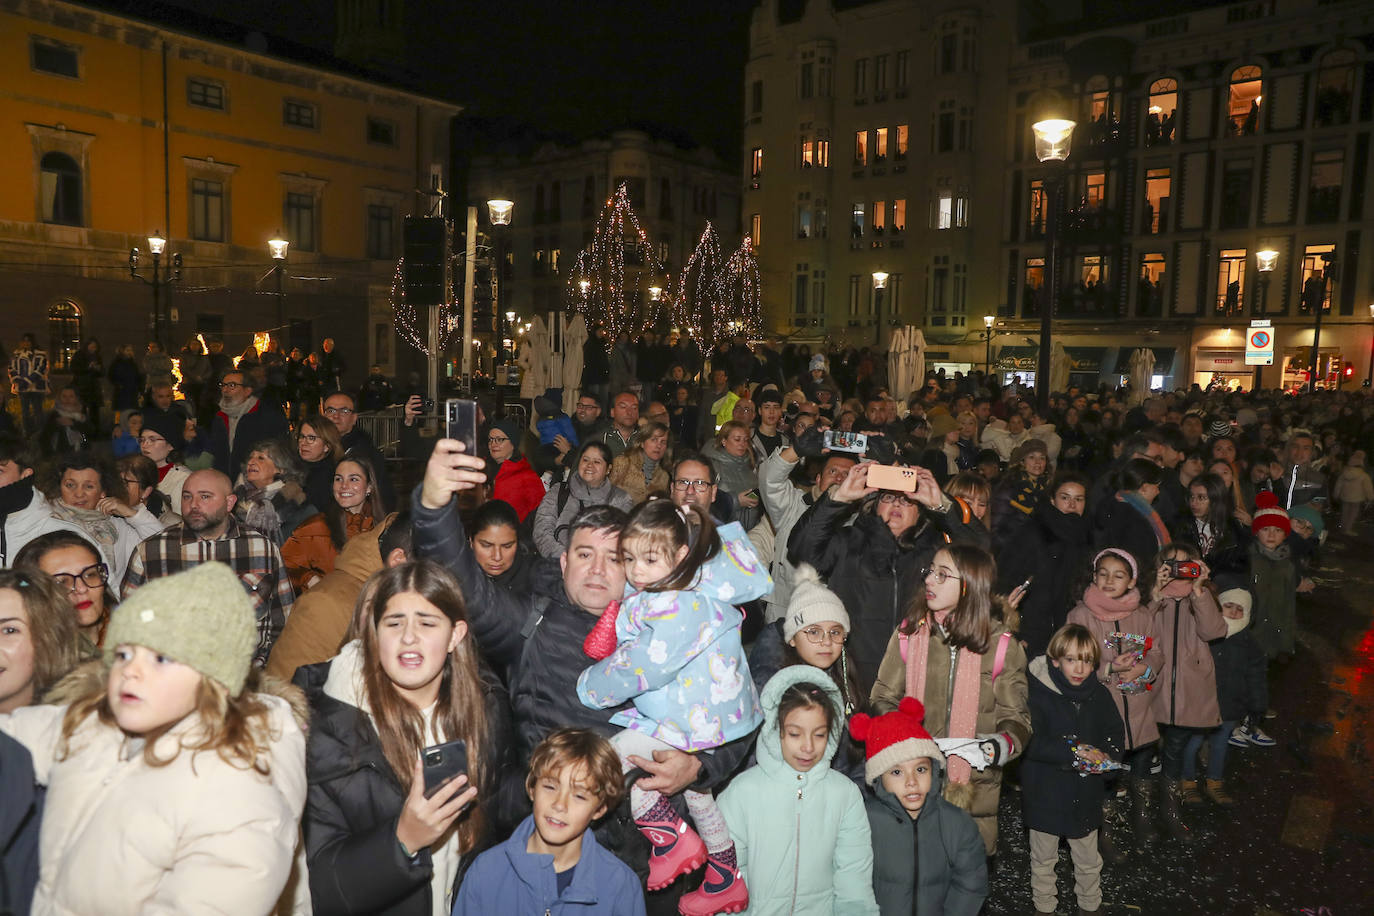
x=753 y=494
x=891 y=477
x=1025 y=585
x=1185 y=569
x=461 y=417
x=442 y=762
x=840 y=441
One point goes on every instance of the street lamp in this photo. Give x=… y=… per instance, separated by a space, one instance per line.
x=1328 y=274
x=157 y=244
x=879 y=284
x=276 y=246
x=1266 y=259
x=1053 y=140
x=987 y=345
x=1369 y=379
x=499 y=211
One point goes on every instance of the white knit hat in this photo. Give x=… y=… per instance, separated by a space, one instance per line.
x=811 y=602
x=1242 y=598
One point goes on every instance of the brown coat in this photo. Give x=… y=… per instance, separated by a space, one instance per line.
x=309 y=553
x=1187 y=682
x=319 y=619
x=1136 y=710
x=1002 y=709
x=628 y=474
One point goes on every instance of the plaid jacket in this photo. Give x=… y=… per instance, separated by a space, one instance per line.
x=251 y=555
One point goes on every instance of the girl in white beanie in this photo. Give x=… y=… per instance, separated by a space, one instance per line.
x=171 y=788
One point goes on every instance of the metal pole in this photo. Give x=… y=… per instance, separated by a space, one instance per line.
x=1264 y=308
x=166 y=193
x=1369 y=379
x=433 y=386
x=1053 y=187
x=878 y=317
x=281 y=301
x=157 y=308
x=1317 y=327
x=469 y=268
x=497 y=269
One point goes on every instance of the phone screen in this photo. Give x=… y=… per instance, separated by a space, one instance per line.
x=461 y=416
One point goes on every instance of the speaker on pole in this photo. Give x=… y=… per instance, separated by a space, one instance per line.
x=425 y=244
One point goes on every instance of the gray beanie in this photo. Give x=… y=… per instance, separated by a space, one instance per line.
x=201 y=618
x=811 y=602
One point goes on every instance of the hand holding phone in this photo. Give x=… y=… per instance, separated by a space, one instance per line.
x=441 y=763
x=424 y=818
x=460 y=415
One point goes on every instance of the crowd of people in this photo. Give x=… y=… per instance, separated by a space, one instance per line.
x=768 y=638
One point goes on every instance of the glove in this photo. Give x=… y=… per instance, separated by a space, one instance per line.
x=600 y=642
x=810 y=443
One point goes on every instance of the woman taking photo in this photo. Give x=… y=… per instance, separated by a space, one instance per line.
x=376 y=841
x=85 y=485
x=161 y=441
x=588 y=485
x=356 y=505
x=643 y=467
x=320 y=448
x=271 y=496
x=83 y=582
x=733 y=455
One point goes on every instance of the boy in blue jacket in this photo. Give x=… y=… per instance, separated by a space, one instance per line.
x=552 y=863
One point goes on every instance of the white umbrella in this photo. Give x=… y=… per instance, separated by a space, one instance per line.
x=1059 y=367
x=916 y=357
x=897 y=382
x=1142 y=368
x=574 y=336
x=534 y=360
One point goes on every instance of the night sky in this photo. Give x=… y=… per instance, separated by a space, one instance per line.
x=578 y=69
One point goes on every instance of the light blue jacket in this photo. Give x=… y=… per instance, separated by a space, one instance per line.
x=679 y=655
x=802 y=838
x=510 y=879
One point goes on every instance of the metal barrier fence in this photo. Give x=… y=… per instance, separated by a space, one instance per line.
x=384 y=426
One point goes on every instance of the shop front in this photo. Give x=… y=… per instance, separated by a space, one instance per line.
x=1163 y=374
x=1222 y=368
x=1016 y=364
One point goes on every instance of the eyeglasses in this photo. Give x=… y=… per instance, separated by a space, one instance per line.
x=335 y=411
x=93 y=576
x=939 y=575
x=306 y=437
x=898 y=498
x=588 y=406
x=817 y=636
x=691 y=484
x=150 y=440
x=496 y=440
x=131 y=481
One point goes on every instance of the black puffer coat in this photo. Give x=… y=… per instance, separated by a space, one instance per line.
x=1117 y=524
x=1058 y=800
x=354 y=801
x=874 y=573
x=1055 y=548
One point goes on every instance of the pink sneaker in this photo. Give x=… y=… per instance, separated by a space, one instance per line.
x=723 y=891
x=677 y=851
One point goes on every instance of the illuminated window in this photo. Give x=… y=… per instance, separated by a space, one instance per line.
x=944 y=210
x=756 y=162
x=1157 y=182
x=879 y=217
x=901 y=141
x=857 y=221
x=880 y=144
x=1092 y=270
x=755 y=230
x=1316 y=287
x=808 y=153
x=1243 y=107
x=64 y=333
x=1161 y=118
x=1231 y=280
x=1032 y=285
x=899 y=215
x=1150 y=285
x=1095 y=189
x=861 y=147
x=823 y=154
x=1037 y=208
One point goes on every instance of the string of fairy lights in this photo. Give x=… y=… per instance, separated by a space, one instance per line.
x=407 y=319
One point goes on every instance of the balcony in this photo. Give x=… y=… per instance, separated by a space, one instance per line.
x=1090 y=223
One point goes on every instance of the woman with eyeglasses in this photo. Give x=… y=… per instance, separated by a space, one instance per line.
x=161 y=441
x=89 y=495
x=319 y=445
x=510 y=475
x=82 y=582
x=355 y=506
x=955 y=652
x=139 y=476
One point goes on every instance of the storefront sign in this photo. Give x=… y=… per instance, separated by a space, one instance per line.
x=1259 y=343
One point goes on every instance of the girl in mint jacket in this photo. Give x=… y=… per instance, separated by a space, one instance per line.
x=799 y=826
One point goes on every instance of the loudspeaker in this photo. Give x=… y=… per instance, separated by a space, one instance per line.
x=425 y=243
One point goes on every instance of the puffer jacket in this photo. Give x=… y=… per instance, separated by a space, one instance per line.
x=951 y=868
x=355 y=798
x=551 y=523
x=1242 y=672
x=1002 y=710
x=1274 y=581
x=34 y=518
x=198 y=835
x=309 y=553
x=1057 y=798
x=1187 y=682
x=802 y=838
x=874 y=574
x=1136 y=710
x=517 y=484
x=1353 y=486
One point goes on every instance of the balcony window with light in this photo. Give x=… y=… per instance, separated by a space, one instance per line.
x=861 y=147
x=879 y=217
x=1038 y=202
x=1156 y=216
x=1161 y=116
x=756 y=162
x=808 y=153
x=1231 y=280
x=755 y=230
x=1095 y=189
x=1243 y=104
x=901 y=140
x=822 y=154
x=880 y=144
x=1150 y=286
x=1032 y=285
x=899 y=215
x=857 y=221
x=1315 y=288
x=944 y=210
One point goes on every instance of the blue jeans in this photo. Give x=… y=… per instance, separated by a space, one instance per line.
x=1216 y=758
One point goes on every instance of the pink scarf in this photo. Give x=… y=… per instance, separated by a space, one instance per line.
x=1109 y=609
x=1178 y=588
x=963 y=709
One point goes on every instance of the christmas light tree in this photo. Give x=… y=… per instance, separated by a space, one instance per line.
x=407 y=320
x=598 y=285
x=718 y=297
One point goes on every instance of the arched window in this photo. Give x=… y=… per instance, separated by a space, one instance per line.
x=60 y=189
x=1242 y=111
x=1161 y=117
x=1335 y=88
x=64 y=332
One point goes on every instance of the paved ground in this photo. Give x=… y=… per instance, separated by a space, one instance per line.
x=1301 y=839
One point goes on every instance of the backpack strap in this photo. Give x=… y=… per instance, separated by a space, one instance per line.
x=564 y=491
x=999 y=661
x=535 y=616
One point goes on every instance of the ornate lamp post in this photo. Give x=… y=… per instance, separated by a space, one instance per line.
x=987 y=345
x=277 y=247
x=160 y=277
x=879 y=284
x=1053 y=139
x=499 y=211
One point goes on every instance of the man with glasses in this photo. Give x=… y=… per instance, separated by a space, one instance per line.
x=588 y=425
x=694 y=483
x=342 y=411
x=242 y=420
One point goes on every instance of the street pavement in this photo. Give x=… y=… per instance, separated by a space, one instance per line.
x=1301 y=838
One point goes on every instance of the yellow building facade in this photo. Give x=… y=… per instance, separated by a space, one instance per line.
x=115 y=129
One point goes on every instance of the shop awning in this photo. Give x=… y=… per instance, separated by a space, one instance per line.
x=1086 y=359
x=1164 y=360
x=1017 y=359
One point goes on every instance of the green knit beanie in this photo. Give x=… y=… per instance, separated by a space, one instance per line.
x=201 y=618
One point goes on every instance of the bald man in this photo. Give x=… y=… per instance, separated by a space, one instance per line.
x=209 y=532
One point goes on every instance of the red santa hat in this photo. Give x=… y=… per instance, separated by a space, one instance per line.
x=1268 y=514
x=891 y=738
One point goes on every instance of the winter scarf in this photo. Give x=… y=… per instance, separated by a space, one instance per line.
x=1109 y=609
x=1147 y=512
x=1281 y=552
x=259 y=512
x=76 y=416
x=650 y=468
x=236 y=413
x=97 y=524
x=1177 y=588
x=15 y=497
x=1075 y=692
x=963 y=709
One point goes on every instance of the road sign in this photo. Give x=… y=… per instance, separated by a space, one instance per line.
x=1259 y=344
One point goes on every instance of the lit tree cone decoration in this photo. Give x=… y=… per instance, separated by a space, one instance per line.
x=414 y=327
x=599 y=287
x=715 y=296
